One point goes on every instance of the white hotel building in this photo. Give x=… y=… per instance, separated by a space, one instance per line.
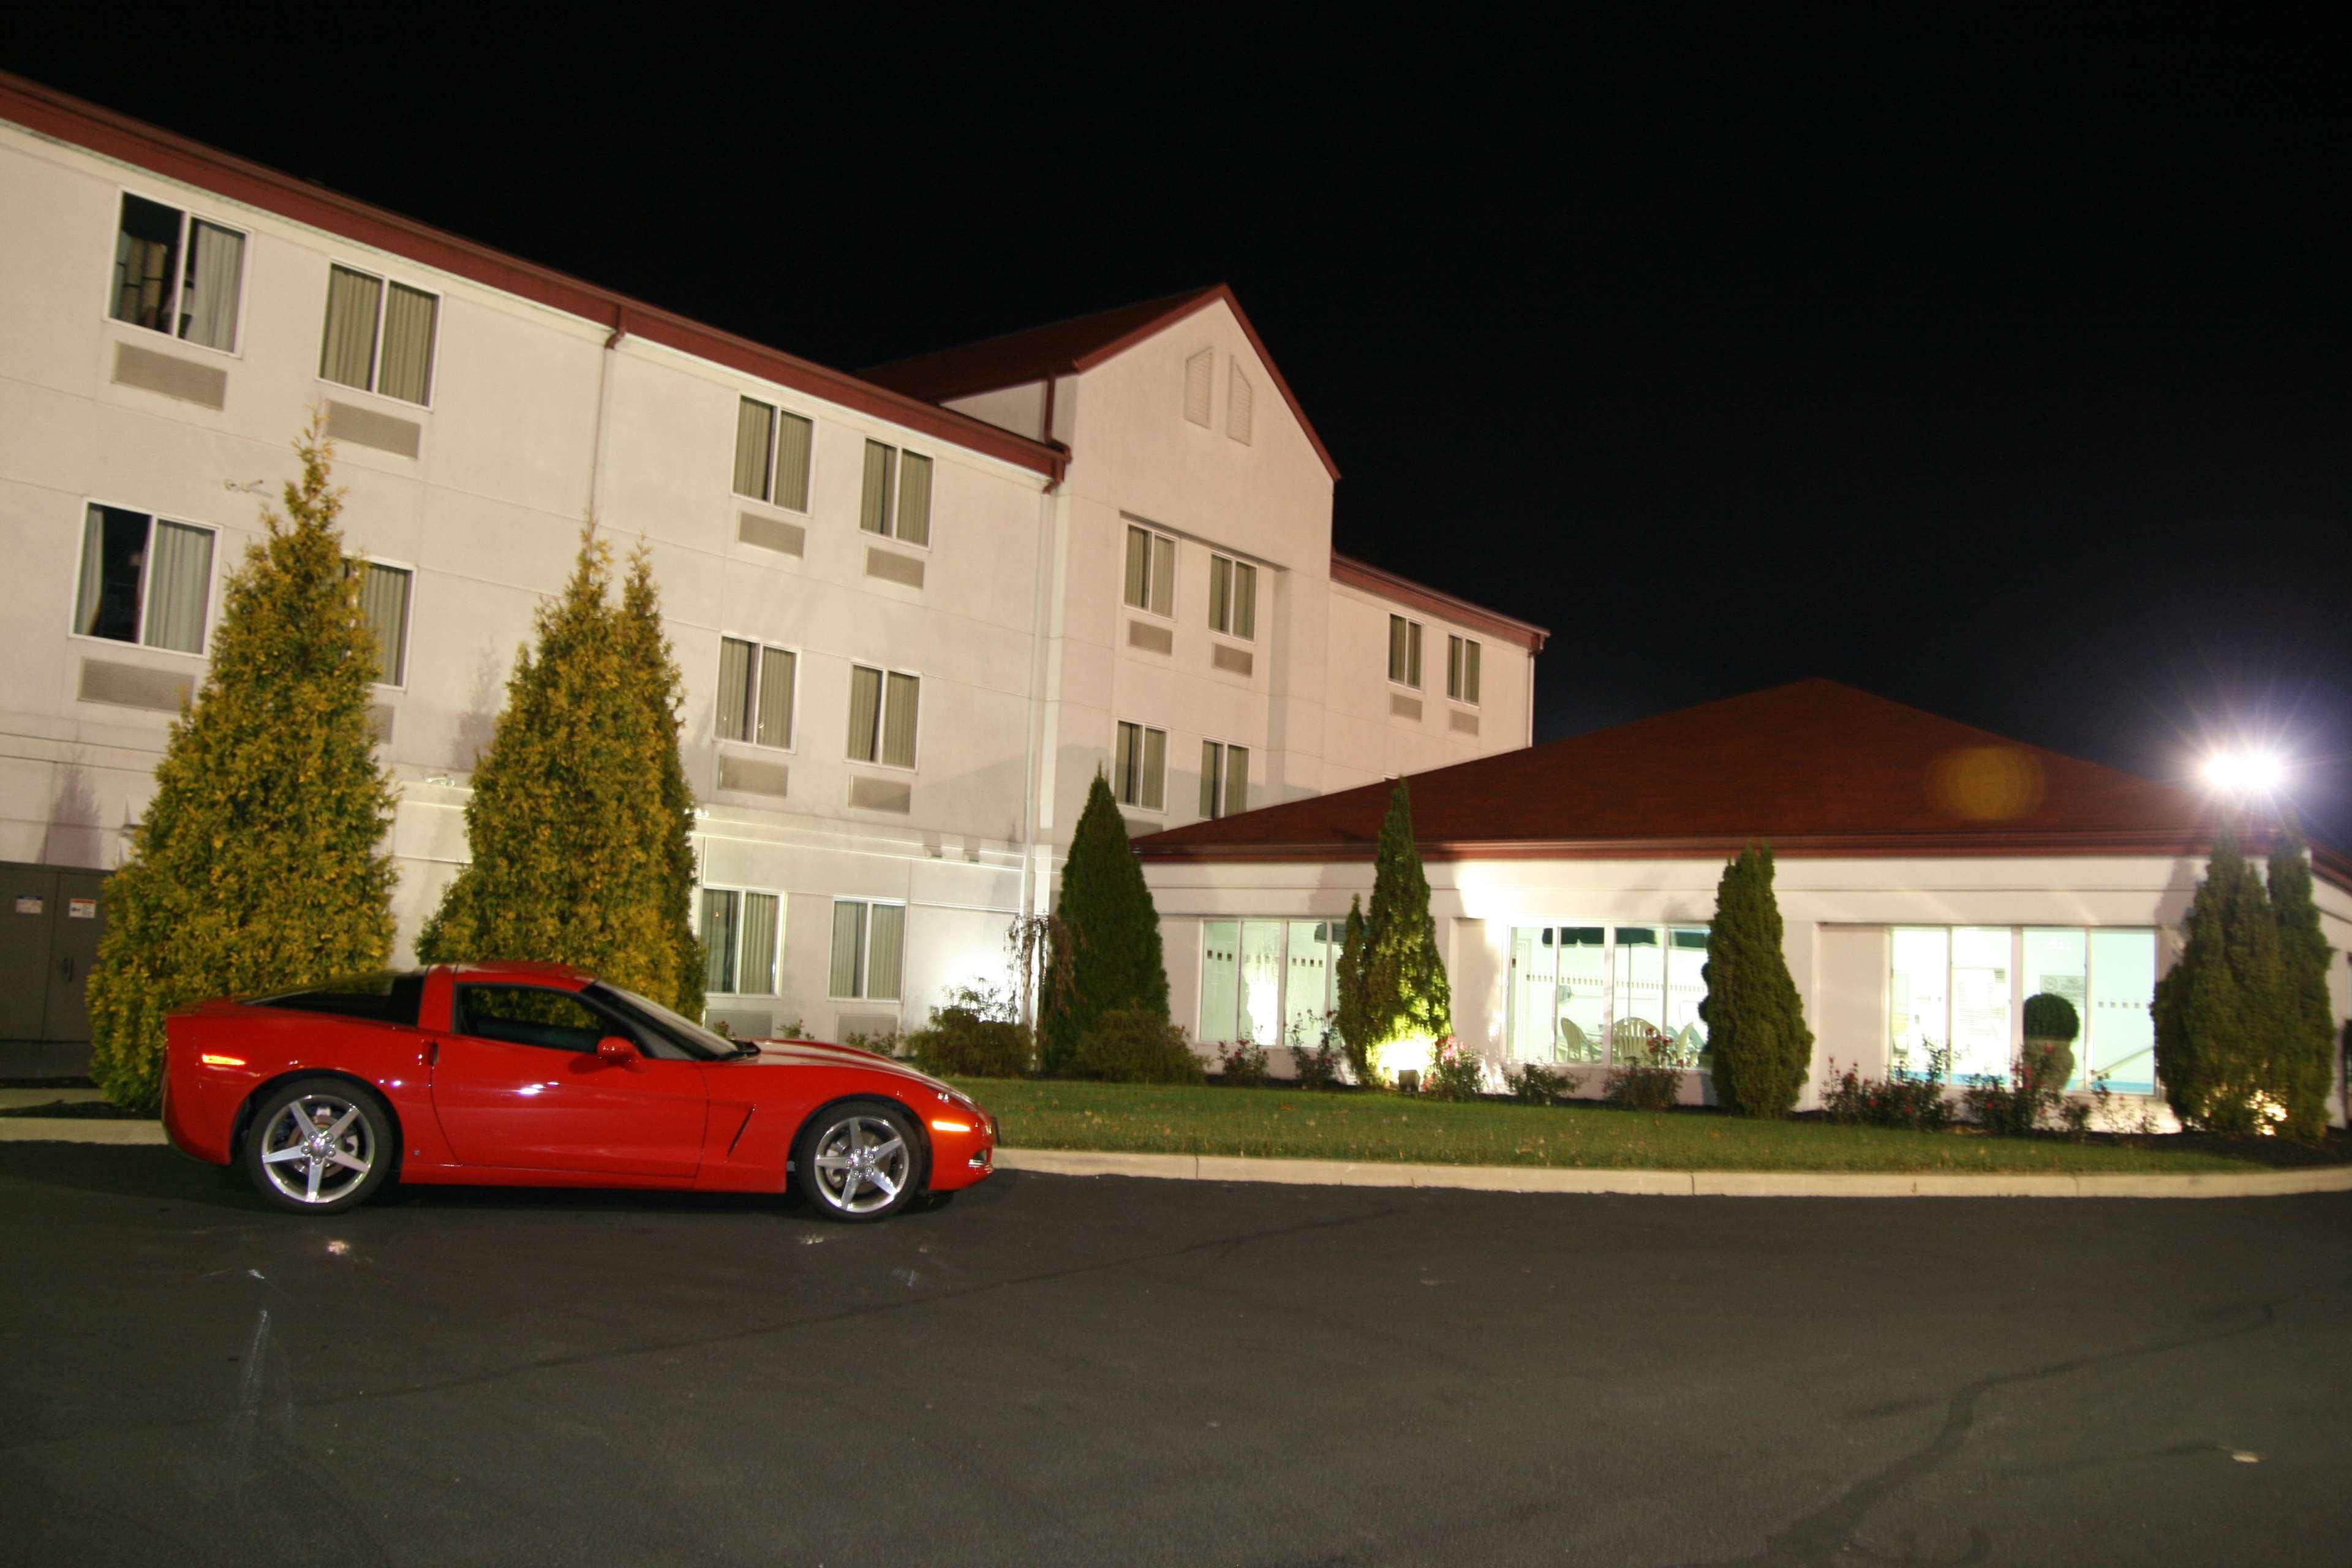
x=915 y=610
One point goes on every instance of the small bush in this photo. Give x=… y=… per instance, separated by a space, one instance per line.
x=2019 y=1105
x=1454 y=1072
x=1317 y=1065
x=1655 y=1083
x=1899 y=1102
x=1533 y=1083
x=881 y=1042
x=2052 y=1027
x=973 y=1033
x=1134 y=1044
x=1243 y=1064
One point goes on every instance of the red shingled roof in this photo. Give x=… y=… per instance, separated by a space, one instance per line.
x=1068 y=348
x=1812 y=768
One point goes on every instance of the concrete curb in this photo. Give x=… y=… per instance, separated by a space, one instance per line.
x=1676 y=1184
x=78 y=1129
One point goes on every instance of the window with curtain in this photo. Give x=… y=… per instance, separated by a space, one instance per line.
x=870 y=941
x=739 y=939
x=1150 y=571
x=755 y=692
x=772 y=454
x=177 y=273
x=383 y=599
x=1404 y=651
x=896 y=499
x=1139 y=766
x=1224 y=779
x=143 y=580
x=380 y=335
x=1462 y=669
x=1232 y=597
x=882 y=716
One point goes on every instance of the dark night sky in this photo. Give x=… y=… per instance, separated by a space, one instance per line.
x=1998 y=371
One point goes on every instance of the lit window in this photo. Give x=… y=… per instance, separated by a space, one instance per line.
x=882 y=713
x=1224 y=779
x=1232 y=597
x=897 y=502
x=869 y=943
x=1139 y=766
x=1404 y=651
x=1150 y=571
x=1462 y=669
x=1604 y=994
x=755 y=692
x=379 y=335
x=1273 y=983
x=143 y=580
x=740 y=939
x=1951 y=990
x=772 y=454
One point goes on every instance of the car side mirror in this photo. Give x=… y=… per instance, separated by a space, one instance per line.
x=615 y=1050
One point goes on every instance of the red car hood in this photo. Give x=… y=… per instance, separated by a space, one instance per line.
x=818 y=1053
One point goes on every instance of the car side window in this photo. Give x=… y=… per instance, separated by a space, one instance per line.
x=530 y=1015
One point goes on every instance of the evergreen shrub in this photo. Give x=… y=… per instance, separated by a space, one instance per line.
x=973 y=1034
x=1755 y=1021
x=2052 y=1026
x=2224 y=1019
x=2306 y=1067
x=1134 y=1044
x=1534 y=1083
x=1106 y=932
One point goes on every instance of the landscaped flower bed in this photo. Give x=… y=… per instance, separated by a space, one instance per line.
x=1287 y=1123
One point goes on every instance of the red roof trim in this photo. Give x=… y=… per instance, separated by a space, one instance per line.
x=1432 y=601
x=55 y=114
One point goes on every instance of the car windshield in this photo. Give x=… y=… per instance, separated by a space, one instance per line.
x=691 y=1037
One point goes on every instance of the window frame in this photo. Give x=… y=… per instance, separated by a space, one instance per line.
x=882 y=716
x=759 y=649
x=146 y=568
x=189 y=218
x=1333 y=928
x=1234 y=566
x=777 y=413
x=1136 y=770
x=1152 y=538
x=865 y=991
x=375 y=361
x=702 y=932
x=2017 y=932
x=1464 y=655
x=1217 y=780
x=898 y=469
x=1614 y=982
x=408 y=621
x=1413 y=640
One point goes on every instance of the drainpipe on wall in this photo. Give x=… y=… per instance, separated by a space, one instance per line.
x=603 y=401
x=1032 y=765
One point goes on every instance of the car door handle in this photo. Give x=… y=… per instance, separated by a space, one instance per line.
x=432 y=1053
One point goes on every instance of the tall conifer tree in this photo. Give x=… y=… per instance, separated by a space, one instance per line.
x=2307 y=1045
x=1107 y=916
x=260 y=862
x=2222 y=1018
x=1404 y=992
x=655 y=675
x=568 y=825
x=1756 y=1029
x=1354 y=1014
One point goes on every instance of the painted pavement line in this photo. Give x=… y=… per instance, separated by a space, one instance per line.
x=1509 y=1178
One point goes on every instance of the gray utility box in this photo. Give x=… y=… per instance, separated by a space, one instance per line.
x=52 y=915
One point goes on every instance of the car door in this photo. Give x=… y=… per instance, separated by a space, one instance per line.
x=517 y=1086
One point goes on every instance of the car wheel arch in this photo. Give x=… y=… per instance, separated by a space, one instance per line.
x=867 y=1097
x=241 y=1126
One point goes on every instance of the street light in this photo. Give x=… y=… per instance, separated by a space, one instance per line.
x=2246 y=773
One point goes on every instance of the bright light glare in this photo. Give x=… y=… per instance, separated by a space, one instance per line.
x=2245 y=772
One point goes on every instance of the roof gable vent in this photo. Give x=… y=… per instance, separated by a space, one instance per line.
x=1238 y=398
x=1198 y=372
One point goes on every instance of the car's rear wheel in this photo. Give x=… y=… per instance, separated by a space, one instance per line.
x=320 y=1145
x=859 y=1160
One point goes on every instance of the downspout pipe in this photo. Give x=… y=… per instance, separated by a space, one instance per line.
x=603 y=404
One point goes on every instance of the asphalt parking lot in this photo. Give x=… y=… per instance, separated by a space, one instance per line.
x=1062 y=1370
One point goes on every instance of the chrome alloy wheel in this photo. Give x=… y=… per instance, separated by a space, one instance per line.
x=862 y=1162
x=318 y=1149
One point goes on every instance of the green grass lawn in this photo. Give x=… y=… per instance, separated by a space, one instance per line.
x=1293 y=1124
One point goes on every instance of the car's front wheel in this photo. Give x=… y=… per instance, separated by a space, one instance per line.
x=859 y=1160
x=320 y=1145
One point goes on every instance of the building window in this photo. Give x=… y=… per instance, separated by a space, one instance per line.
x=1404 y=651
x=882 y=710
x=896 y=503
x=1150 y=571
x=1606 y=993
x=755 y=692
x=384 y=600
x=869 y=944
x=1224 y=779
x=1139 y=767
x=772 y=454
x=1950 y=988
x=740 y=933
x=178 y=274
x=1269 y=981
x=1232 y=597
x=1462 y=669
x=379 y=335
x=143 y=580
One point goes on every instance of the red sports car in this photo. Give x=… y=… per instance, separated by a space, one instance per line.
x=535 y=1075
